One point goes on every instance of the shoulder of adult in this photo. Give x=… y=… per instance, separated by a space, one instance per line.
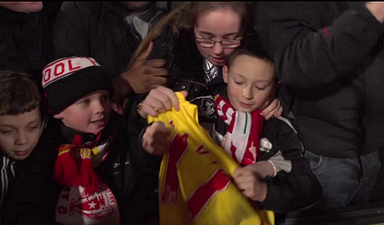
x=84 y=8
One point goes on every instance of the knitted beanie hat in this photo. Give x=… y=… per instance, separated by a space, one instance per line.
x=69 y=79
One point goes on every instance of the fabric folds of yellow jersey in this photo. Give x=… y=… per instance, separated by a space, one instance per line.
x=195 y=184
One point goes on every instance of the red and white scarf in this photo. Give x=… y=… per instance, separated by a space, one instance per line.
x=75 y=164
x=243 y=135
x=86 y=198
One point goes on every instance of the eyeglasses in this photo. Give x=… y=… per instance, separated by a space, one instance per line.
x=209 y=43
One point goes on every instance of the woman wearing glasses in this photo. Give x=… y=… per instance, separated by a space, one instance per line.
x=195 y=40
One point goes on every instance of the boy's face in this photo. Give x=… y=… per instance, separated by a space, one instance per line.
x=19 y=134
x=89 y=114
x=250 y=83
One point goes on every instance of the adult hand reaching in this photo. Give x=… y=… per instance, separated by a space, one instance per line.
x=273 y=109
x=145 y=74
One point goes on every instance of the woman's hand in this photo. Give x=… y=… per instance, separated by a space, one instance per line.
x=273 y=109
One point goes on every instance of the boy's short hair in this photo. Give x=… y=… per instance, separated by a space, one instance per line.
x=250 y=47
x=19 y=93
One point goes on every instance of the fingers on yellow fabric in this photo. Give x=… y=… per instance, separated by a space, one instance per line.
x=195 y=177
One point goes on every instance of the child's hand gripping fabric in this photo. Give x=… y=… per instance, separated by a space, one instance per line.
x=250 y=183
x=156 y=138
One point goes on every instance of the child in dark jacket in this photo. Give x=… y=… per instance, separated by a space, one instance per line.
x=97 y=169
x=274 y=172
x=27 y=188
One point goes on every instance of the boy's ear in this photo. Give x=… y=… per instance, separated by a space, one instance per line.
x=225 y=73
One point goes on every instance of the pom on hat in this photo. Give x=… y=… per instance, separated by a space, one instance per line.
x=69 y=79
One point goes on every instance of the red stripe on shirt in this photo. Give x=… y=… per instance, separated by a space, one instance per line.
x=204 y=193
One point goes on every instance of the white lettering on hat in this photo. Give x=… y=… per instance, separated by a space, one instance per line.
x=64 y=67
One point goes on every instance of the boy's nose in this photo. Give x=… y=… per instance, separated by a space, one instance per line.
x=247 y=93
x=99 y=108
x=21 y=138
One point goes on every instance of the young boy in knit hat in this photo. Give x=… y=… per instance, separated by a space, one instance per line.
x=95 y=165
x=26 y=162
x=273 y=171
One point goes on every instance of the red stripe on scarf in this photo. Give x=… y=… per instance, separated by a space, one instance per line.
x=74 y=165
x=224 y=108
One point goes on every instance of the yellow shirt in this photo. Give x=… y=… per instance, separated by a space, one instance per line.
x=194 y=183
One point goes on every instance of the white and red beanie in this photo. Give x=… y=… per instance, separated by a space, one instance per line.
x=69 y=79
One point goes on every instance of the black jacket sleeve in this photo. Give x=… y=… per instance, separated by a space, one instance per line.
x=136 y=127
x=315 y=44
x=294 y=187
x=136 y=124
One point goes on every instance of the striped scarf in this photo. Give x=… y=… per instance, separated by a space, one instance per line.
x=243 y=135
x=76 y=161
